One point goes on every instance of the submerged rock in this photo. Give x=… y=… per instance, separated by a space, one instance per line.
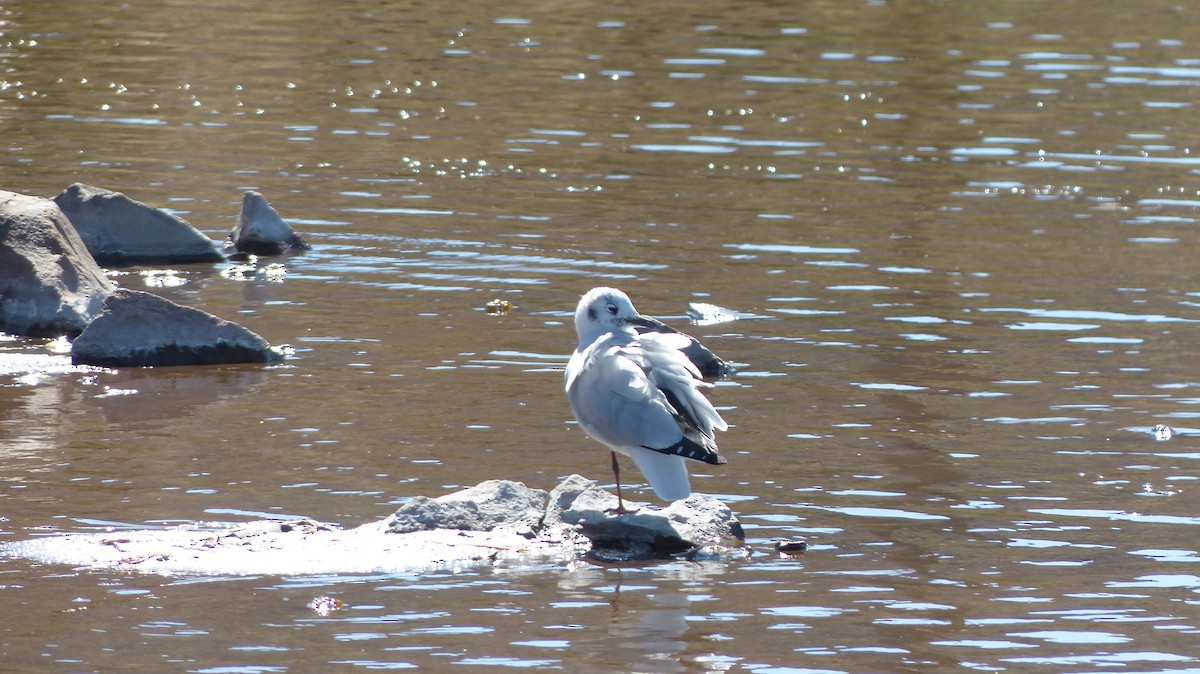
x=261 y=231
x=120 y=231
x=138 y=329
x=497 y=521
x=49 y=284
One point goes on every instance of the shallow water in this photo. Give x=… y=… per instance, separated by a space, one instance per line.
x=961 y=237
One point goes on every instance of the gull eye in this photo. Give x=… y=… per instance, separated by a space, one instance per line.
x=612 y=309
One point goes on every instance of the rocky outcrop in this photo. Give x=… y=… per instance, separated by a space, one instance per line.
x=576 y=503
x=261 y=231
x=136 y=329
x=697 y=522
x=497 y=521
x=120 y=231
x=49 y=285
x=488 y=506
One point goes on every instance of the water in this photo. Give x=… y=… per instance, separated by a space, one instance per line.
x=961 y=236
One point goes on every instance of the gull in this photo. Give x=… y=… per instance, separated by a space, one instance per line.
x=633 y=386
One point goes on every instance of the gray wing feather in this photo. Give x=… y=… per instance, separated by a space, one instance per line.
x=644 y=394
x=615 y=402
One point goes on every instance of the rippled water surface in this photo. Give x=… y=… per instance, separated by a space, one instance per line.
x=961 y=237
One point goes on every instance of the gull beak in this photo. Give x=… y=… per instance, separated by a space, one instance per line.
x=645 y=322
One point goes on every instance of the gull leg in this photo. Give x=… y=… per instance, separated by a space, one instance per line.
x=617 y=474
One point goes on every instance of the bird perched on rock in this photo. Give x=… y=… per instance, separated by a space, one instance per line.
x=633 y=386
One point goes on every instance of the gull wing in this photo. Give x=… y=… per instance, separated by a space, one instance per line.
x=709 y=364
x=644 y=394
x=615 y=402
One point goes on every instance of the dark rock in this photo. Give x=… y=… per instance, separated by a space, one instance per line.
x=138 y=329
x=261 y=231
x=49 y=284
x=120 y=231
x=485 y=507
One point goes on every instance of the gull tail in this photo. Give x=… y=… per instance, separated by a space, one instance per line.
x=666 y=473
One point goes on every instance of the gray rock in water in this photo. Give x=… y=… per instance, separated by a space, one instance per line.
x=49 y=284
x=496 y=521
x=138 y=329
x=577 y=499
x=261 y=231
x=696 y=522
x=576 y=504
x=488 y=506
x=120 y=231
x=699 y=521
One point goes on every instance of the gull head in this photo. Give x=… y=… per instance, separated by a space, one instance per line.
x=603 y=310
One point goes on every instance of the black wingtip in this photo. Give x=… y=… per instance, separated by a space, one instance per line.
x=690 y=449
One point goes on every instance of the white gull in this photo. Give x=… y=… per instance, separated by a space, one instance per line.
x=639 y=394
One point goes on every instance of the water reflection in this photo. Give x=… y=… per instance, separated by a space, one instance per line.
x=958 y=242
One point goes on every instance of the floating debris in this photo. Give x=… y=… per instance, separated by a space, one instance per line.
x=163 y=278
x=1162 y=432
x=324 y=605
x=239 y=272
x=702 y=313
x=59 y=345
x=275 y=272
x=499 y=307
x=110 y=392
x=791 y=546
x=249 y=271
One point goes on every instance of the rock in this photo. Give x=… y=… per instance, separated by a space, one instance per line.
x=120 y=231
x=288 y=547
x=49 y=284
x=497 y=521
x=577 y=499
x=261 y=231
x=485 y=507
x=696 y=522
x=138 y=329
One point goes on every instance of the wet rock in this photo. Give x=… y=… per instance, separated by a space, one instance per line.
x=578 y=500
x=261 y=231
x=497 y=521
x=488 y=506
x=645 y=533
x=49 y=284
x=698 y=521
x=138 y=329
x=120 y=231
